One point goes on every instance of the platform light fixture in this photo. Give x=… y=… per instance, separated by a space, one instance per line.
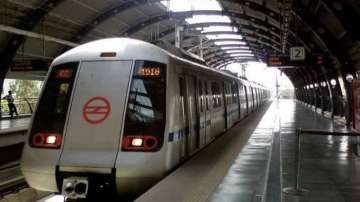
x=219 y=43
x=333 y=82
x=311 y=86
x=316 y=85
x=349 y=78
x=242 y=55
x=238 y=51
x=224 y=36
x=207 y=18
x=220 y=28
x=237 y=47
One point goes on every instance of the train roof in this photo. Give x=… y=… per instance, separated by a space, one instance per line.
x=129 y=49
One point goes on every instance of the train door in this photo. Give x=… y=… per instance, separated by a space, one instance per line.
x=192 y=129
x=207 y=108
x=182 y=118
x=202 y=112
x=92 y=136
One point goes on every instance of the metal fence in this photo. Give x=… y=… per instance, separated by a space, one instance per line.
x=25 y=106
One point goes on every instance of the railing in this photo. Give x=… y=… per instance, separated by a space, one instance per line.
x=24 y=106
x=296 y=189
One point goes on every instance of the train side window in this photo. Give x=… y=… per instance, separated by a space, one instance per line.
x=206 y=95
x=234 y=94
x=201 y=96
x=227 y=94
x=230 y=94
x=215 y=89
x=181 y=87
x=219 y=95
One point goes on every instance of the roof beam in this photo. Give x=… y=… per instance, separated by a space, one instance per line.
x=228 y=55
x=224 y=64
x=109 y=13
x=257 y=7
x=213 y=61
x=35 y=35
x=10 y=50
x=224 y=54
x=233 y=60
x=224 y=51
x=129 y=4
x=244 y=27
x=188 y=14
x=265 y=40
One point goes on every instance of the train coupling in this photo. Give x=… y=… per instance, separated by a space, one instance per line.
x=75 y=187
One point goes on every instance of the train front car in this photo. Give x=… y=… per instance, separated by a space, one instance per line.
x=100 y=123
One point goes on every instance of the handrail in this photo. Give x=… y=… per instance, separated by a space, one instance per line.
x=296 y=189
x=25 y=106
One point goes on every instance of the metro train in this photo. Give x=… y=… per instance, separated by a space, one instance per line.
x=116 y=115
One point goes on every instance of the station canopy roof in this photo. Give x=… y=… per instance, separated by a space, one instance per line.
x=228 y=31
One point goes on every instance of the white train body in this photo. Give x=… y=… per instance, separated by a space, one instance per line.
x=121 y=113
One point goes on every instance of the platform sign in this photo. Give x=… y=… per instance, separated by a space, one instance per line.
x=297 y=53
x=355 y=86
x=30 y=65
x=284 y=61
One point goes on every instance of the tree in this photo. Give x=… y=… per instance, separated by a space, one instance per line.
x=25 y=88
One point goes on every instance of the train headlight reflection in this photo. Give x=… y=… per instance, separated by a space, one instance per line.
x=137 y=142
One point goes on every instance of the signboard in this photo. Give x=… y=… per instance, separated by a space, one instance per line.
x=297 y=53
x=285 y=61
x=355 y=87
x=30 y=65
x=96 y=110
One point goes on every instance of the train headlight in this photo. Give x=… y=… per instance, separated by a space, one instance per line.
x=51 y=139
x=137 y=142
x=46 y=140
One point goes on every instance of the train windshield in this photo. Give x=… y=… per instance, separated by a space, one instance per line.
x=53 y=105
x=145 y=114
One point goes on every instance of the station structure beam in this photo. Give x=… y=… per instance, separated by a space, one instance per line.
x=15 y=41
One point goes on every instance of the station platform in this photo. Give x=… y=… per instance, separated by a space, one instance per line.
x=9 y=125
x=254 y=161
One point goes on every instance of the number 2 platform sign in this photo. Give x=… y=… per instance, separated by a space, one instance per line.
x=297 y=53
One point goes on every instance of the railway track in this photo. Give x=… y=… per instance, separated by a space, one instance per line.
x=11 y=179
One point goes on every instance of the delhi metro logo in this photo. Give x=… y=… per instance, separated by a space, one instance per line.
x=96 y=110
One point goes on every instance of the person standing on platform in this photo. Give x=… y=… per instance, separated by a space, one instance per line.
x=10 y=100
